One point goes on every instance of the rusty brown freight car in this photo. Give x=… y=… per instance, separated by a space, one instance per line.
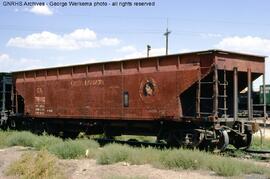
x=174 y=96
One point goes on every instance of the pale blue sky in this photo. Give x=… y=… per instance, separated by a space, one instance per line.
x=241 y=25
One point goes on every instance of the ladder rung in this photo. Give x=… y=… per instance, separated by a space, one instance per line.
x=205 y=113
x=258 y=104
x=224 y=109
x=205 y=82
x=257 y=111
x=222 y=96
x=206 y=98
x=223 y=84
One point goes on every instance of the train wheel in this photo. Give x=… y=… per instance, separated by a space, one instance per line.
x=4 y=125
x=192 y=139
x=12 y=124
x=243 y=142
x=196 y=139
x=223 y=139
x=172 y=139
x=249 y=139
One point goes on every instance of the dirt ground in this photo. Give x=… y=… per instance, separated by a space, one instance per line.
x=7 y=156
x=88 y=169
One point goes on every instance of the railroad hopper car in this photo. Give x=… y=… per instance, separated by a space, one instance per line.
x=188 y=99
x=267 y=93
x=5 y=98
x=258 y=100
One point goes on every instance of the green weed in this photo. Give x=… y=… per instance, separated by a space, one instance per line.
x=70 y=149
x=26 y=139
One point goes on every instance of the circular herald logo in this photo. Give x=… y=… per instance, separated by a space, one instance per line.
x=148 y=90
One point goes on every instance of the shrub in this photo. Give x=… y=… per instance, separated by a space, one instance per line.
x=41 y=165
x=67 y=149
x=70 y=149
x=143 y=155
x=113 y=153
x=224 y=167
x=25 y=139
x=44 y=142
x=3 y=138
x=88 y=143
x=180 y=159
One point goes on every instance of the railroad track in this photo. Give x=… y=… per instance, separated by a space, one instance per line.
x=136 y=143
x=257 y=151
x=263 y=155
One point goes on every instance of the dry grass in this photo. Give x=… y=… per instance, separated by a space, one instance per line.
x=26 y=139
x=178 y=159
x=70 y=149
x=45 y=141
x=35 y=166
x=113 y=153
x=3 y=137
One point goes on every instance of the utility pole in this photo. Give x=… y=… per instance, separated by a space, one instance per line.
x=167 y=33
x=148 y=50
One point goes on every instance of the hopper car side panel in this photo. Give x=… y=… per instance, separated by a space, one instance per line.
x=96 y=91
x=102 y=97
x=242 y=64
